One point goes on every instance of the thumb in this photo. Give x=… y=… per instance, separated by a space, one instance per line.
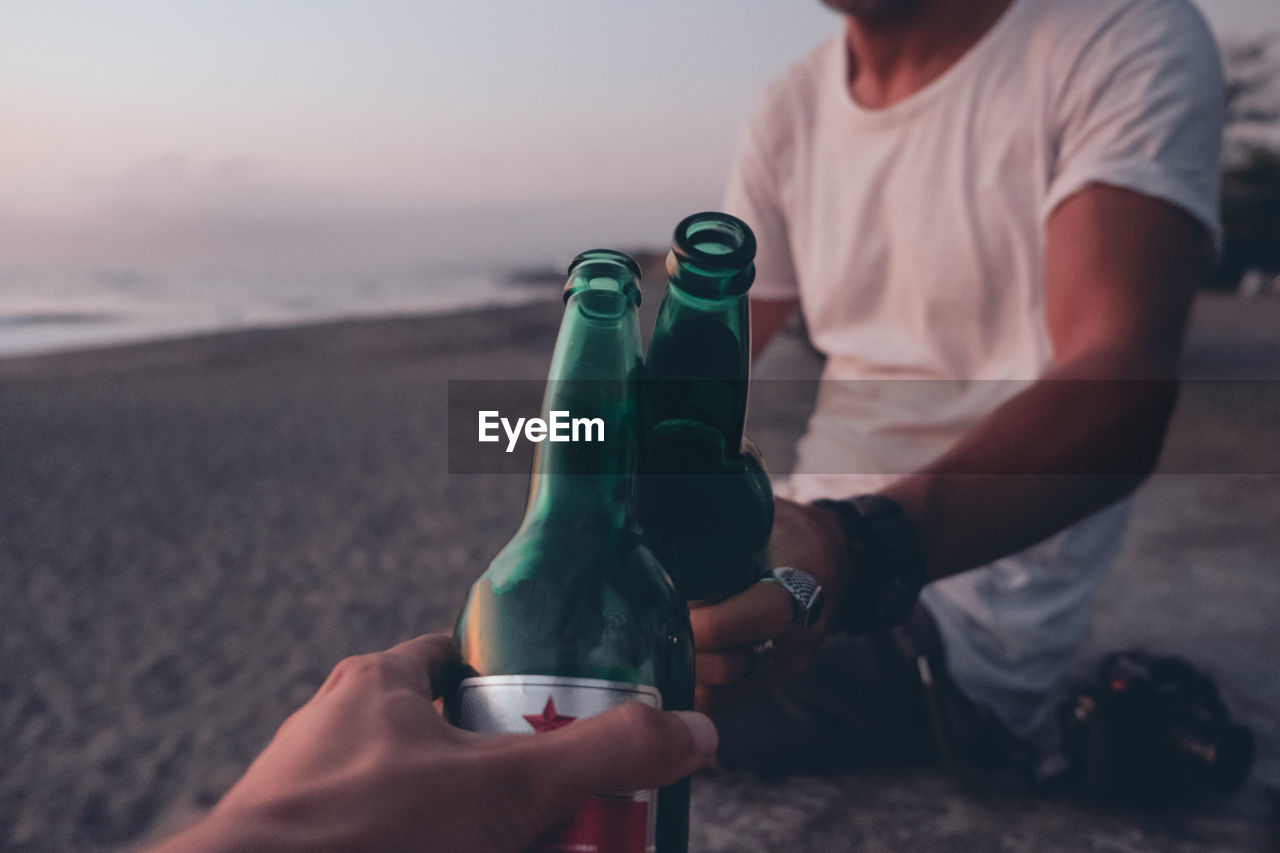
x=627 y=748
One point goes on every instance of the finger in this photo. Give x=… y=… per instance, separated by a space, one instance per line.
x=627 y=748
x=725 y=667
x=760 y=612
x=790 y=657
x=716 y=699
x=430 y=664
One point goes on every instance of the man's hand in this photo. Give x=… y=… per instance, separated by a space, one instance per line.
x=369 y=764
x=804 y=537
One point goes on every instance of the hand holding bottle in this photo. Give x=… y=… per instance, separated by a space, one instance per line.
x=574 y=615
x=728 y=670
x=369 y=764
x=706 y=500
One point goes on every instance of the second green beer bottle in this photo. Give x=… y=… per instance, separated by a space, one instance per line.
x=575 y=615
x=705 y=496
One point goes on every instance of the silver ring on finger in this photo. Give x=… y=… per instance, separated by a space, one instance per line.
x=807 y=598
x=761 y=658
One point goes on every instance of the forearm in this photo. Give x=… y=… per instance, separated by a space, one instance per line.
x=218 y=833
x=1058 y=451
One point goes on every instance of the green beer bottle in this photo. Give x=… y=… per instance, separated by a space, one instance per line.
x=705 y=496
x=575 y=615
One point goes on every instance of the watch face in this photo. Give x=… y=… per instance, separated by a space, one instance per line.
x=814 y=611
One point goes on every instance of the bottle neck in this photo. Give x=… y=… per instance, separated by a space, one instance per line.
x=591 y=403
x=700 y=361
x=723 y=317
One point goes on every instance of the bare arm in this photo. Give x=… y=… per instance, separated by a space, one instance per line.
x=1120 y=273
x=768 y=316
x=1121 y=270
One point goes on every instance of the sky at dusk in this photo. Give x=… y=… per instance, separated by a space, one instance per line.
x=175 y=131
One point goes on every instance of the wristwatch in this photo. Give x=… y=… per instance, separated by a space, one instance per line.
x=887 y=557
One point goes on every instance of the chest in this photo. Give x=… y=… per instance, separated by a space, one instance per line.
x=936 y=212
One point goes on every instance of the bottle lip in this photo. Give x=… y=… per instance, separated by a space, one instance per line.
x=727 y=230
x=629 y=287
x=606 y=255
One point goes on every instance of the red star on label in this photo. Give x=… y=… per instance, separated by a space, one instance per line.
x=548 y=720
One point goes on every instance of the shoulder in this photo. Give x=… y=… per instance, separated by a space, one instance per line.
x=1137 y=103
x=1072 y=20
x=1091 y=38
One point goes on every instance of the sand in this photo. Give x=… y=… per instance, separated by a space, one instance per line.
x=193 y=532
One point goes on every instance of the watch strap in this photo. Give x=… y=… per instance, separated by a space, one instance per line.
x=886 y=557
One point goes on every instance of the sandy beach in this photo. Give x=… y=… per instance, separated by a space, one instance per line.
x=193 y=532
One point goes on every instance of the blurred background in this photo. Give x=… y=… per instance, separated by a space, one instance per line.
x=179 y=166
x=366 y=200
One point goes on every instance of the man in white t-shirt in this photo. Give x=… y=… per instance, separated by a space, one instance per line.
x=993 y=215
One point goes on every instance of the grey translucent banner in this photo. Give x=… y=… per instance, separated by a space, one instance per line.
x=895 y=427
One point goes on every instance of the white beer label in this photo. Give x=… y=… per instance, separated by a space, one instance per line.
x=534 y=704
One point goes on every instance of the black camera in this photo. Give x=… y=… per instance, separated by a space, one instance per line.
x=1147 y=726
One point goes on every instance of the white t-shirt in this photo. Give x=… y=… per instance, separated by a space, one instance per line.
x=914 y=238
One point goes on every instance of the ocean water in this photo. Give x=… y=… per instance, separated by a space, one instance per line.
x=43 y=310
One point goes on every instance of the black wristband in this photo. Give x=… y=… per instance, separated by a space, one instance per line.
x=886 y=558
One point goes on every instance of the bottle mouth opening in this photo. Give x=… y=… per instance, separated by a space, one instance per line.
x=714 y=242
x=605 y=271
